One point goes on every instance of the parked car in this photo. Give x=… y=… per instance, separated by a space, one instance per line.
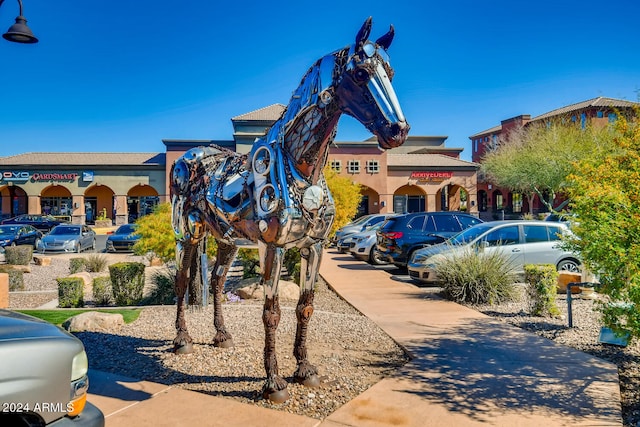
x=123 y=238
x=14 y=235
x=68 y=238
x=43 y=375
x=404 y=234
x=524 y=242
x=361 y=245
x=43 y=223
x=357 y=226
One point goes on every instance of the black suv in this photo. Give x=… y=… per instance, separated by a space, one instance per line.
x=403 y=234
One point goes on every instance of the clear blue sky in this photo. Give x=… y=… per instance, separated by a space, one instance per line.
x=120 y=76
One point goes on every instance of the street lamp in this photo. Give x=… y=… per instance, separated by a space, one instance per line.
x=19 y=32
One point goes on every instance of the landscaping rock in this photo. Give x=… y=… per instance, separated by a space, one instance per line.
x=287 y=290
x=44 y=261
x=94 y=321
x=86 y=277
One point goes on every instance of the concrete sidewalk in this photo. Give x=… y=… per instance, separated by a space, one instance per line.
x=467 y=370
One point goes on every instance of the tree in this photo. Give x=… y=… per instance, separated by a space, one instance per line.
x=538 y=158
x=605 y=198
x=346 y=196
x=156 y=234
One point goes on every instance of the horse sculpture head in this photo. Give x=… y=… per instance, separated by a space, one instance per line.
x=364 y=89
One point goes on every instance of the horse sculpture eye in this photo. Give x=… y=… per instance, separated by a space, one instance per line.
x=361 y=75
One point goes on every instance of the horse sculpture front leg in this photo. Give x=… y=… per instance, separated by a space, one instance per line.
x=306 y=373
x=275 y=387
x=183 y=343
x=226 y=254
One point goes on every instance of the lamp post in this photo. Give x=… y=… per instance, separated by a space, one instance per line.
x=19 y=32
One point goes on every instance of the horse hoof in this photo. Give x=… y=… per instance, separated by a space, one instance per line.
x=277 y=396
x=183 y=349
x=224 y=344
x=312 y=381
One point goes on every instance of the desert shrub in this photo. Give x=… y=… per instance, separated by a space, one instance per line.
x=102 y=290
x=70 y=292
x=18 y=255
x=16 y=278
x=542 y=288
x=250 y=261
x=163 y=291
x=127 y=282
x=95 y=263
x=77 y=265
x=477 y=277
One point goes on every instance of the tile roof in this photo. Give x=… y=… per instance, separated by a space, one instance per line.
x=271 y=112
x=427 y=160
x=590 y=103
x=84 y=159
x=601 y=101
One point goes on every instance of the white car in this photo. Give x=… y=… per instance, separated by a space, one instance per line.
x=362 y=246
x=524 y=242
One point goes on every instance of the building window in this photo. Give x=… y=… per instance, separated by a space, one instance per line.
x=612 y=117
x=486 y=138
x=353 y=166
x=600 y=114
x=373 y=166
x=516 y=201
x=336 y=165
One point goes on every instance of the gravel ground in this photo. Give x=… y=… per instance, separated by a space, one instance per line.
x=350 y=351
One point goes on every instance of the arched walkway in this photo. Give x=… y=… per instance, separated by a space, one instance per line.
x=56 y=200
x=141 y=200
x=98 y=202
x=13 y=201
x=409 y=198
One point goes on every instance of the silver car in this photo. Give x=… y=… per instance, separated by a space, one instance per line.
x=362 y=245
x=68 y=238
x=524 y=242
x=43 y=375
x=356 y=226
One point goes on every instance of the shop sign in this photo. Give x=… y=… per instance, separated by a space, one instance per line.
x=11 y=176
x=431 y=175
x=54 y=176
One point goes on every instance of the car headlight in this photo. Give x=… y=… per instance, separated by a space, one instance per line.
x=418 y=258
x=5 y=242
x=79 y=384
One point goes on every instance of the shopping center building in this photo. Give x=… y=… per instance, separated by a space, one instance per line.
x=421 y=175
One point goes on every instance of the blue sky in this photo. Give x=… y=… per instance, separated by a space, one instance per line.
x=120 y=76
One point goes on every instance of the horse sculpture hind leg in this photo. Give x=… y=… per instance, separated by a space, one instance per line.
x=183 y=343
x=226 y=254
x=306 y=373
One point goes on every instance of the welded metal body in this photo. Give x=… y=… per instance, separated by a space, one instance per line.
x=276 y=195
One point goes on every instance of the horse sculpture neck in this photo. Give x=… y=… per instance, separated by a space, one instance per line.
x=308 y=125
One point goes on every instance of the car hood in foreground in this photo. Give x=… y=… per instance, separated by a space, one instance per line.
x=18 y=326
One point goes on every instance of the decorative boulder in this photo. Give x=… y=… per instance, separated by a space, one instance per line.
x=42 y=260
x=94 y=321
x=86 y=277
x=286 y=290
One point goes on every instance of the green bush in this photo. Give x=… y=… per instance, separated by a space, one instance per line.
x=95 y=263
x=70 y=292
x=542 y=288
x=477 y=277
x=127 y=282
x=163 y=292
x=77 y=265
x=250 y=261
x=102 y=290
x=18 y=255
x=16 y=278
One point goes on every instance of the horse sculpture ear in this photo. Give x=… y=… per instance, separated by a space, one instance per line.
x=364 y=32
x=385 y=40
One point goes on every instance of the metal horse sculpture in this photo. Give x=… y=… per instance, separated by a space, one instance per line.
x=277 y=195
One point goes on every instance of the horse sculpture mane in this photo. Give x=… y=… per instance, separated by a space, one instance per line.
x=277 y=196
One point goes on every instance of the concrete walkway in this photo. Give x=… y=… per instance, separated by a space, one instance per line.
x=467 y=370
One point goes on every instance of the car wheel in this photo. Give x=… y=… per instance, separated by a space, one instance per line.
x=569 y=265
x=375 y=258
x=36 y=243
x=93 y=245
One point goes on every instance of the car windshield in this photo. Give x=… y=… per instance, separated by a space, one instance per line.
x=8 y=230
x=126 y=229
x=469 y=234
x=65 y=230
